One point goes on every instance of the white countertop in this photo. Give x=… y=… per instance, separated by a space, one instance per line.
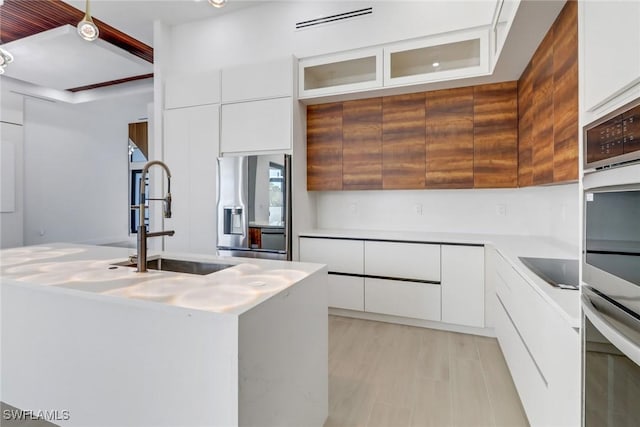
x=88 y=269
x=565 y=301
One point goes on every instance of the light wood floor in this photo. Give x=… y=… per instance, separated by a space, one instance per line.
x=389 y=375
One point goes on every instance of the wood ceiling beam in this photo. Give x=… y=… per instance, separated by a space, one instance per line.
x=20 y=18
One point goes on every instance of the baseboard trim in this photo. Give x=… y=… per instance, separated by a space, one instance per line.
x=485 y=332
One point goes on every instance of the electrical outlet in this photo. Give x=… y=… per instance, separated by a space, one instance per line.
x=353 y=209
x=501 y=209
x=418 y=209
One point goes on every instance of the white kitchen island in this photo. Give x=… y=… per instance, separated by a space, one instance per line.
x=243 y=346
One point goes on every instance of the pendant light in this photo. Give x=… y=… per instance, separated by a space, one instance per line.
x=217 y=3
x=5 y=59
x=86 y=28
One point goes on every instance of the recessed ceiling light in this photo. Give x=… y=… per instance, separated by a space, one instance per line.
x=217 y=3
x=435 y=64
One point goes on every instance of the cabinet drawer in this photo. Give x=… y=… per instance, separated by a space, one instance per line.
x=400 y=298
x=416 y=261
x=530 y=314
x=530 y=383
x=340 y=255
x=346 y=292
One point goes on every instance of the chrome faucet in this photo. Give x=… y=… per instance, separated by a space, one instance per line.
x=142 y=229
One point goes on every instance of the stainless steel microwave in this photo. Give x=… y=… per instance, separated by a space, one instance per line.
x=614 y=139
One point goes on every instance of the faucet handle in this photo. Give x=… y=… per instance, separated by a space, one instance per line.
x=167 y=206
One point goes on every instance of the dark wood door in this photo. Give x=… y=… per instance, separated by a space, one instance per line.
x=403 y=141
x=362 y=144
x=495 y=133
x=565 y=94
x=324 y=147
x=449 y=138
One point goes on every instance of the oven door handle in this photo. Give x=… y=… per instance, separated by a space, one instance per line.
x=604 y=323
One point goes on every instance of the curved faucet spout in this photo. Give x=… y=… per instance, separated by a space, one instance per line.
x=142 y=229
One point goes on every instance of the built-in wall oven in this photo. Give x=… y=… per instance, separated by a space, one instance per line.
x=611 y=286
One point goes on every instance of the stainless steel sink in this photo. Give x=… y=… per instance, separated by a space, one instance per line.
x=561 y=273
x=179 y=266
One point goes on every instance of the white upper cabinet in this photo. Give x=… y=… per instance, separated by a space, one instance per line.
x=340 y=73
x=610 y=50
x=249 y=127
x=502 y=19
x=446 y=57
x=189 y=90
x=258 y=81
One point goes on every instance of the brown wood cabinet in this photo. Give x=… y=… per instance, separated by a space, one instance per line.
x=362 y=144
x=449 y=138
x=495 y=135
x=542 y=142
x=403 y=141
x=324 y=147
x=525 y=127
x=453 y=138
x=548 y=106
x=565 y=94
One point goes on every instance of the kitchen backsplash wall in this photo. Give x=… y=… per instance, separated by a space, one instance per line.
x=540 y=211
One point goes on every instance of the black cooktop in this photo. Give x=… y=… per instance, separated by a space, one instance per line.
x=561 y=273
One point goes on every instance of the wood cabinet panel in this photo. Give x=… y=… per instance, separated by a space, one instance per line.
x=139 y=134
x=362 y=144
x=542 y=144
x=495 y=134
x=525 y=127
x=449 y=138
x=548 y=106
x=565 y=94
x=324 y=147
x=403 y=141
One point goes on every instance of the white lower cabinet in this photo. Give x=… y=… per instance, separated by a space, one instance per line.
x=346 y=292
x=417 y=261
x=340 y=255
x=463 y=285
x=541 y=349
x=427 y=281
x=528 y=378
x=402 y=298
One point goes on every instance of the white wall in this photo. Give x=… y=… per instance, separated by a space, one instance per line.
x=11 y=138
x=540 y=211
x=76 y=169
x=261 y=33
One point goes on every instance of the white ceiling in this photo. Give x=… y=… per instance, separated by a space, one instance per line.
x=56 y=60
x=135 y=17
x=59 y=59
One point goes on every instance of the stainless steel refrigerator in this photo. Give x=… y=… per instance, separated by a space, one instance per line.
x=254 y=206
